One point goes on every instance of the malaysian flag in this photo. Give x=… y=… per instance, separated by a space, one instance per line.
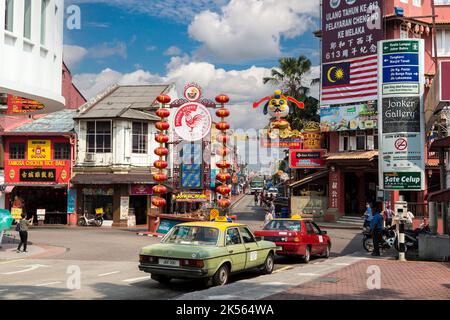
x=350 y=81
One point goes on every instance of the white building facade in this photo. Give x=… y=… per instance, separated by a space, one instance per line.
x=31 y=49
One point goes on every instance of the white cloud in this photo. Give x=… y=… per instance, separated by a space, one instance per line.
x=73 y=54
x=172 y=51
x=251 y=29
x=105 y=50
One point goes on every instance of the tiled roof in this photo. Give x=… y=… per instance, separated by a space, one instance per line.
x=125 y=102
x=58 y=122
x=352 y=155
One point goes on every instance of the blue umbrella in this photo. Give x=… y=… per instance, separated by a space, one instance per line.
x=6 y=219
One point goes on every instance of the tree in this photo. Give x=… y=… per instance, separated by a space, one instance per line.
x=290 y=76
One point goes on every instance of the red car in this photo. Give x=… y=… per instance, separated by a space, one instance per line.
x=297 y=237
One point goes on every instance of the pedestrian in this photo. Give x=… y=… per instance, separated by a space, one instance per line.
x=272 y=208
x=376 y=227
x=409 y=220
x=367 y=215
x=261 y=199
x=22 y=227
x=388 y=214
x=268 y=217
x=256 y=198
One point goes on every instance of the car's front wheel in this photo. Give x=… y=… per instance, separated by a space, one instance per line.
x=221 y=276
x=269 y=264
x=160 y=278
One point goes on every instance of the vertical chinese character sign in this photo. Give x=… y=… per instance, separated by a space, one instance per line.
x=351 y=30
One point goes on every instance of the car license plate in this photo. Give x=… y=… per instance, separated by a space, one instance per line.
x=169 y=262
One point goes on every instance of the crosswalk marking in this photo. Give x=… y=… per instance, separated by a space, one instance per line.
x=47 y=284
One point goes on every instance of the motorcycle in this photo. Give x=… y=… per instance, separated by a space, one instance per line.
x=85 y=221
x=390 y=238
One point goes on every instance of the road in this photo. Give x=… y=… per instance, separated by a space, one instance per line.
x=105 y=263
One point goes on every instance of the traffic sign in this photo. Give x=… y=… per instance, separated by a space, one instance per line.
x=401 y=144
x=401 y=74
x=401 y=59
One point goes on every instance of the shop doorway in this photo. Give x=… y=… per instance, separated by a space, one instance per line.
x=352 y=195
x=53 y=200
x=138 y=206
x=360 y=188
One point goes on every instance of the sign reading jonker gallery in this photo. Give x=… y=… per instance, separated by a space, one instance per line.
x=401 y=120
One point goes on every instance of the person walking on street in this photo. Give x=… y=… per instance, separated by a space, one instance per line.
x=256 y=198
x=367 y=215
x=376 y=227
x=22 y=227
x=409 y=221
x=388 y=214
x=268 y=217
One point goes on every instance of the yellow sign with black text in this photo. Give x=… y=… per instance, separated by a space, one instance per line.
x=39 y=150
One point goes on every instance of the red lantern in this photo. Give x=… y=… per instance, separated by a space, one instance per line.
x=223 y=164
x=222 y=112
x=163 y=98
x=223 y=177
x=223 y=152
x=161 y=152
x=159 y=202
x=224 y=203
x=162 y=138
x=223 y=125
x=159 y=189
x=162 y=125
x=223 y=190
x=160 y=164
x=222 y=98
x=160 y=177
x=223 y=138
x=163 y=113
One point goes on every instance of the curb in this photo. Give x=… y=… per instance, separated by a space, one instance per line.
x=237 y=200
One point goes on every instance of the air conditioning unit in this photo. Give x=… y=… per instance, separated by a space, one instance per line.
x=90 y=157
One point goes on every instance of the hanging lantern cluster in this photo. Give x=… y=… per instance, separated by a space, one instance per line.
x=419 y=28
x=223 y=176
x=162 y=138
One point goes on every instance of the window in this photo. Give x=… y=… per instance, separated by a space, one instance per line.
x=309 y=228
x=9 y=15
x=27 y=20
x=62 y=151
x=140 y=137
x=17 y=151
x=443 y=42
x=246 y=235
x=316 y=228
x=44 y=5
x=233 y=237
x=441 y=2
x=361 y=140
x=99 y=136
x=417 y=3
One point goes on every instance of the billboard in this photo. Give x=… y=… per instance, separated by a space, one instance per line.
x=401 y=119
x=307 y=159
x=350 y=32
x=352 y=117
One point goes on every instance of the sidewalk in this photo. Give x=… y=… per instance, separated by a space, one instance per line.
x=411 y=280
x=9 y=247
x=344 y=277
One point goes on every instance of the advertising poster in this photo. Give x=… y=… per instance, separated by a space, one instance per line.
x=307 y=159
x=354 y=117
x=124 y=207
x=71 y=200
x=401 y=118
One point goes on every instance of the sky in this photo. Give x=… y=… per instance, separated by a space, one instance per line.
x=226 y=46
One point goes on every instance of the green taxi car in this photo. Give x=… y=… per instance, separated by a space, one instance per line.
x=206 y=250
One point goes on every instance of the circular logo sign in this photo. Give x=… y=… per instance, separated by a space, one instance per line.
x=192 y=121
x=63 y=174
x=213 y=214
x=12 y=174
x=192 y=92
x=401 y=144
x=335 y=3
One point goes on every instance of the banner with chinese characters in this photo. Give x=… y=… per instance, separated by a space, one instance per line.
x=19 y=105
x=37 y=165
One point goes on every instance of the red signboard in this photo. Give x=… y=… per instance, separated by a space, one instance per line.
x=22 y=166
x=307 y=159
x=444 y=81
x=141 y=190
x=334 y=190
x=17 y=105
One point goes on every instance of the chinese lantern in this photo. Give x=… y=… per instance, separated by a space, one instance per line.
x=417 y=28
x=223 y=165
x=409 y=25
x=422 y=29
x=161 y=151
x=427 y=30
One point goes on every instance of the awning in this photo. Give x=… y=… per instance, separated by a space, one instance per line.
x=112 y=178
x=352 y=155
x=310 y=178
x=439 y=196
x=440 y=143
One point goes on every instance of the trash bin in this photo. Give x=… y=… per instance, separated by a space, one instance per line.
x=284 y=212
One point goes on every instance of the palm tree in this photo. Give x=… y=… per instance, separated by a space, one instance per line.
x=290 y=76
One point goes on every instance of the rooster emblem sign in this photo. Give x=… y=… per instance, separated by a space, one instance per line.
x=192 y=121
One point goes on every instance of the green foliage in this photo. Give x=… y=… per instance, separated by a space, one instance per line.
x=290 y=77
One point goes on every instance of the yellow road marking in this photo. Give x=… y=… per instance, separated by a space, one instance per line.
x=283 y=269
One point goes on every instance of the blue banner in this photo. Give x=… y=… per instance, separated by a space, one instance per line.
x=401 y=74
x=71 y=200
